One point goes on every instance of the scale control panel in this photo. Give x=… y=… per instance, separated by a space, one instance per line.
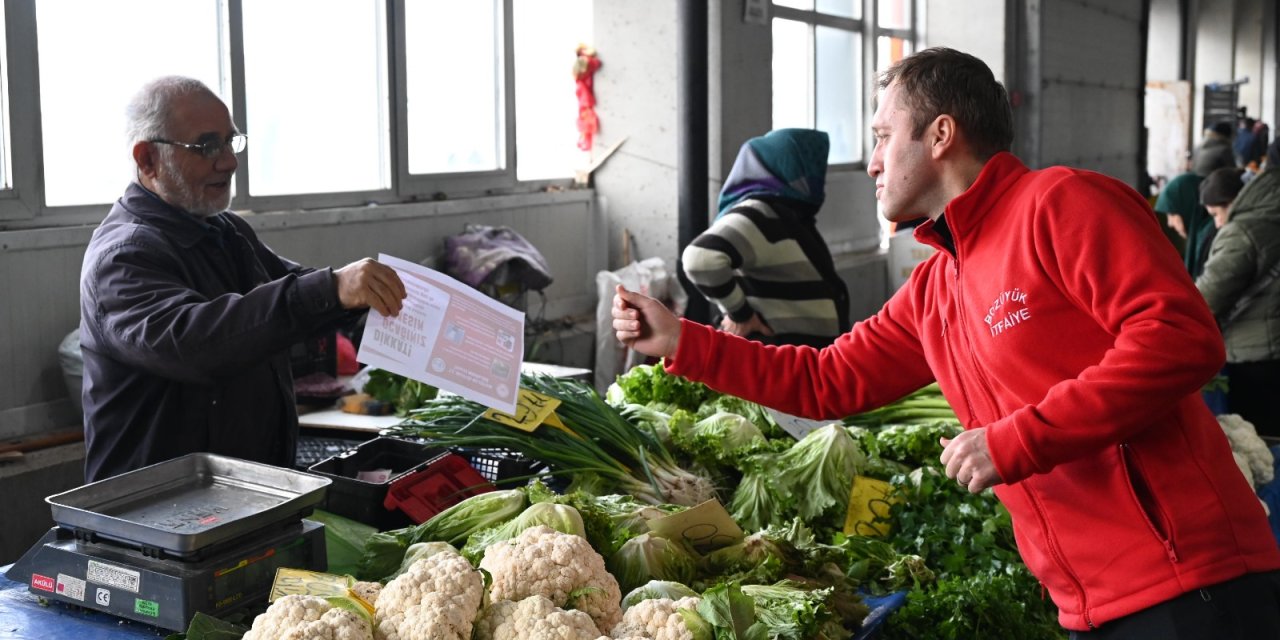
x=166 y=593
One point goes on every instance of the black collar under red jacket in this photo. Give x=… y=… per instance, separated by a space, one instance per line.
x=185 y=326
x=1065 y=324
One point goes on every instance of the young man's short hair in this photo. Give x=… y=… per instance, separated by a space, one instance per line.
x=941 y=80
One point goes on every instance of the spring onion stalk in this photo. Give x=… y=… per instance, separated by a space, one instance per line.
x=923 y=405
x=602 y=442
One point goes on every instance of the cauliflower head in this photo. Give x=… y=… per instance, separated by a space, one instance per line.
x=1245 y=441
x=437 y=598
x=368 y=591
x=533 y=618
x=560 y=566
x=308 y=618
x=660 y=619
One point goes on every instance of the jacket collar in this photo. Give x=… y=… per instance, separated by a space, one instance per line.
x=185 y=229
x=965 y=213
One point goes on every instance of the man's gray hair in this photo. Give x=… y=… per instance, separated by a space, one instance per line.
x=147 y=116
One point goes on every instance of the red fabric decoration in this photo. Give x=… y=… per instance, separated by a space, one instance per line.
x=347 y=365
x=583 y=69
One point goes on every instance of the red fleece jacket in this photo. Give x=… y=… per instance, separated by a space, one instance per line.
x=1064 y=323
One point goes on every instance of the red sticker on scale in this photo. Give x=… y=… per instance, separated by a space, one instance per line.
x=44 y=583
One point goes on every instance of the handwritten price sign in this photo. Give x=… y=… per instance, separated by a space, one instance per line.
x=533 y=410
x=706 y=526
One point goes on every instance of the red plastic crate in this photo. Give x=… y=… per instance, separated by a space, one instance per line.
x=444 y=482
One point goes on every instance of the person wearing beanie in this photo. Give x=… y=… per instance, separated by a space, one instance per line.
x=1215 y=150
x=1245 y=144
x=1241 y=284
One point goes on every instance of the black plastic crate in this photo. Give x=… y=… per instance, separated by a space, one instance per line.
x=362 y=501
x=313 y=448
x=506 y=468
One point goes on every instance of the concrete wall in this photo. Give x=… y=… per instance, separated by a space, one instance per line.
x=976 y=27
x=1091 y=96
x=1270 y=72
x=1214 y=55
x=636 y=99
x=1165 y=47
x=25 y=484
x=1248 y=56
x=1073 y=71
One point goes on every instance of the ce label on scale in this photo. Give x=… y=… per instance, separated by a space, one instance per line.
x=102 y=597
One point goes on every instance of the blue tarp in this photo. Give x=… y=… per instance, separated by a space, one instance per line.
x=881 y=608
x=22 y=617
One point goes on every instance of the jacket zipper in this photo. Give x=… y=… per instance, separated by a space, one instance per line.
x=985 y=386
x=1166 y=539
x=983 y=383
x=964 y=391
x=1057 y=555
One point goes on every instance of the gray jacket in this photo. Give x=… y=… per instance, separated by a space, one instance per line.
x=185 y=326
x=1235 y=282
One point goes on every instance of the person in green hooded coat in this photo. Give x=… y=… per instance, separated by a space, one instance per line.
x=763 y=262
x=1179 y=201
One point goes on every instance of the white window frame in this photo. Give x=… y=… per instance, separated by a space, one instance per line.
x=23 y=206
x=868 y=27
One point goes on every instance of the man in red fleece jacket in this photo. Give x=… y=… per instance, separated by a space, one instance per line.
x=1064 y=331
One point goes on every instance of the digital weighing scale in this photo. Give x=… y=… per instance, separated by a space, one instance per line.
x=200 y=533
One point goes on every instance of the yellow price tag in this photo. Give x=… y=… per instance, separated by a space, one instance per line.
x=289 y=582
x=705 y=526
x=868 y=508
x=533 y=409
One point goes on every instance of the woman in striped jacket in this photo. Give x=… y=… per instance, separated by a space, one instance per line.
x=763 y=261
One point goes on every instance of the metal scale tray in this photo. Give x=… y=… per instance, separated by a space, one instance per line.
x=181 y=506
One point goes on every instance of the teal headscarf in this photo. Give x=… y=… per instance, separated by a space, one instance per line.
x=1182 y=196
x=790 y=163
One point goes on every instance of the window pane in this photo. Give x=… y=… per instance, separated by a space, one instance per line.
x=547 y=33
x=316 y=96
x=453 y=54
x=894 y=14
x=890 y=50
x=839 y=102
x=792 y=74
x=94 y=56
x=842 y=8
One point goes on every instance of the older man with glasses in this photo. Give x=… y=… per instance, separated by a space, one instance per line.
x=186 y=317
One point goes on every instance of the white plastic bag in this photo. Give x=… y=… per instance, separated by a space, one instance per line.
x=650 y=277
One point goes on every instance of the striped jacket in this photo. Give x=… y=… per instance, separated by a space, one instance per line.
x=765 y=256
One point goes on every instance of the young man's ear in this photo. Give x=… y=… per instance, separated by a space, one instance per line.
x=941 y=135
x=144 y=156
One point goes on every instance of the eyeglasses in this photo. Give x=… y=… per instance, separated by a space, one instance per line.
x=210 y=146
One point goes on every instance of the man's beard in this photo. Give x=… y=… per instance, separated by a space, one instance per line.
x=170 y=187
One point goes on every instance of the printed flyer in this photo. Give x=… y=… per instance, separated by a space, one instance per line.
x=450 y=336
